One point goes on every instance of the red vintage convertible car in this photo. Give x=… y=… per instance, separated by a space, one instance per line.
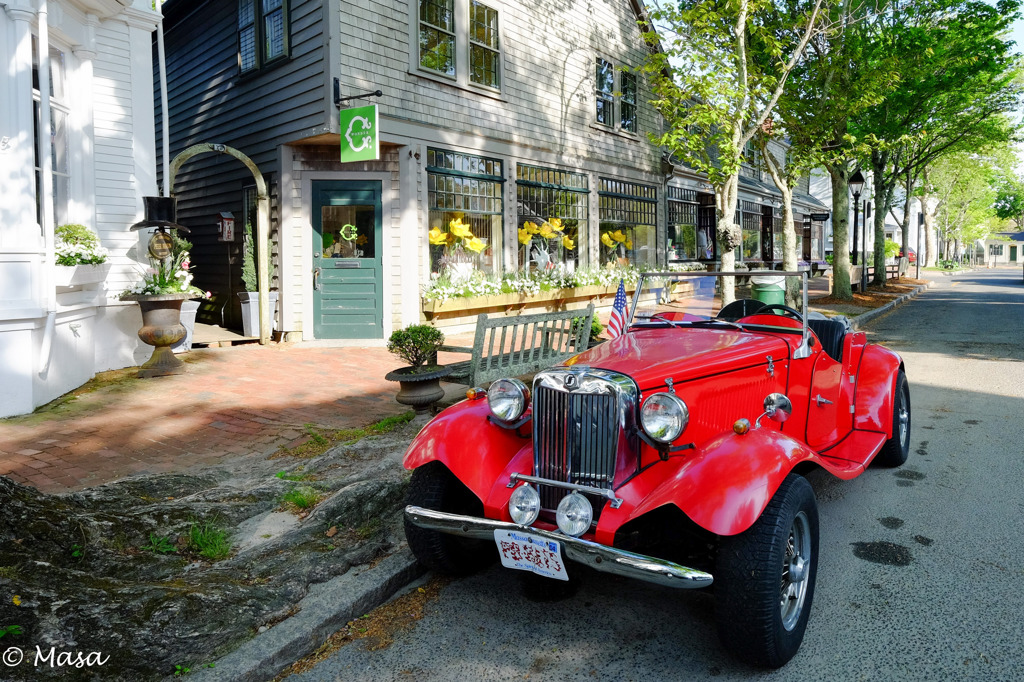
x=675 y=454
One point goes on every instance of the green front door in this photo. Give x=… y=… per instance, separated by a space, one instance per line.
x=347 y=297
x=1013 y=254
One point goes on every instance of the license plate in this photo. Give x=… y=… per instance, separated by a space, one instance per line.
x=528 y=552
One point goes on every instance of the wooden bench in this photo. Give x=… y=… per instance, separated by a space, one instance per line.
x=892 y=271
x=521 y=344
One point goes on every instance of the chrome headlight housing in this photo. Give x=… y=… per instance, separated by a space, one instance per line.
x=508 y=399
x=524 y=505
x=664 y=416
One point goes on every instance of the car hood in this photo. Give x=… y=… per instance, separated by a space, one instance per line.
x=649 y=356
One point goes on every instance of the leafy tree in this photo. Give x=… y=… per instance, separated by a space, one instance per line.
x=958 y=78
x=717 y=69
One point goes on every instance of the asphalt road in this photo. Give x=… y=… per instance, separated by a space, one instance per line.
x=920 y=570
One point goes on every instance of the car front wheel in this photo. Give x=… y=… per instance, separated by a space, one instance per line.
x=434 y=487
x=764 y=579
x=895 y=450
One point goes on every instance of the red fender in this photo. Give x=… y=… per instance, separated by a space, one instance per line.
x=876 y=386
x=472 y=448
x=724 y=486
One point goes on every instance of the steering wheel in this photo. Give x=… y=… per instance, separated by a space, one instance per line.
x=789 y=312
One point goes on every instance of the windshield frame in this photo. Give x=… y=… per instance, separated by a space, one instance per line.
x=805 y=348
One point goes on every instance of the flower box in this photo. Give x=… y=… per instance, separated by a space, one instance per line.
x=77 y=275
x=550 y=298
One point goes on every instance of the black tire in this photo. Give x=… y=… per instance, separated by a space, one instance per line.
x=761 y=602
x=895 y=450
x=434 y=487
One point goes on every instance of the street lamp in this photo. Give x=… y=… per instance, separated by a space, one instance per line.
x=856 y=186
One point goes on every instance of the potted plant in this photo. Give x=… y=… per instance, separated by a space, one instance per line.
x=79 y=257
x=250 y=297
x=419 y=382
x=165 y=285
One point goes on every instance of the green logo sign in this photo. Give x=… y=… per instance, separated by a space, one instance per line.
x=359 y=139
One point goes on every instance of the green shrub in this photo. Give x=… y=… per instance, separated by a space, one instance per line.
x=416 y=344
x=595 y=328
x=891 y=248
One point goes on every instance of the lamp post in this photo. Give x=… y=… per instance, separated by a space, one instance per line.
x=856 y=186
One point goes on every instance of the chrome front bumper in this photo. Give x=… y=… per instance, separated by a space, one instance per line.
x=599 y=557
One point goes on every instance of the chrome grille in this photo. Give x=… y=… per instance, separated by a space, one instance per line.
x=578 y=429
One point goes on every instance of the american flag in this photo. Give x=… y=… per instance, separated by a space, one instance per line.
x=620 y=314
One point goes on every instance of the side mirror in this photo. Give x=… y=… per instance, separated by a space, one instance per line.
x=777 y=407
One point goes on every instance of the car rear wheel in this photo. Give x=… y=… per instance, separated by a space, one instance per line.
x=895 y=450
x=764 y=578
x=434 y=487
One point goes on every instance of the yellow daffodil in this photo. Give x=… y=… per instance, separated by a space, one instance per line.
x=531 y=227
x=555 y=223
x=450 y=239
x=475 y=245
x=460 y=229
x=606 y=239
x=547 y=232
x=437 y=237
x=568 y=243
x=629 y=243
x=524 y=236
x=16 y=599
x=618 y=236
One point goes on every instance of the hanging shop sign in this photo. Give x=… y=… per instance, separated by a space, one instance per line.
x=819 y=217
x=359 y=138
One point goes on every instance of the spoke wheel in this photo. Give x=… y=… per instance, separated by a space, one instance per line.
x=764 y=578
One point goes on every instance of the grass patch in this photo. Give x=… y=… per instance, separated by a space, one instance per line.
x=297 y=476
x=320 y=443
x=159 y=544
x=8 y=572
x=209 y=540
x=302 y=497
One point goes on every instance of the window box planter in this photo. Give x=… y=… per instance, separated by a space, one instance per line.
x=544 y=299
x=78 y=275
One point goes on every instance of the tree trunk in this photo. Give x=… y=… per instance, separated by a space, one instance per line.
x=730 y=235
x=905 y=246
x=883 y=196
x=840 y=174
x=929 y=207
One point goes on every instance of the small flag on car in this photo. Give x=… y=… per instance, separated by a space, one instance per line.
x=617 y=322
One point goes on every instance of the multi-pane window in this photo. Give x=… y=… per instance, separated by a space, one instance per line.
x=464 y=194
x=437 y=36
x=60 y=165
x=552 y=222
x=262 y=33
x=682 y=224
x=628 y=221
x=605 y=96
x=605 y=92
x=750 y=221
x=483 y=45
x=627 y=102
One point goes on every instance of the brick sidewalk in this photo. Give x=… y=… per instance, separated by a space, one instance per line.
x=240 y=401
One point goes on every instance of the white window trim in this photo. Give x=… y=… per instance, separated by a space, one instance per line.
x=462 y=44
x=616 y=127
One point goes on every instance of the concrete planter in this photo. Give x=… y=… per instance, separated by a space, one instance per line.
x=251 y=312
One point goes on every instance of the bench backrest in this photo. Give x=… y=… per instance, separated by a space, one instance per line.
x=522 y=344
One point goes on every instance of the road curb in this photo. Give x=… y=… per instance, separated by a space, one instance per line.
x=864 y=318
x=324 y=611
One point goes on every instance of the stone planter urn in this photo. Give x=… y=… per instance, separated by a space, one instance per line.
x=161 y=328
x=418 y=389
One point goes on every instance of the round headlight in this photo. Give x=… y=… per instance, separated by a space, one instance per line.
x=574 y=515
x=524 y=505
x=664 y=416
x=508 y=399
